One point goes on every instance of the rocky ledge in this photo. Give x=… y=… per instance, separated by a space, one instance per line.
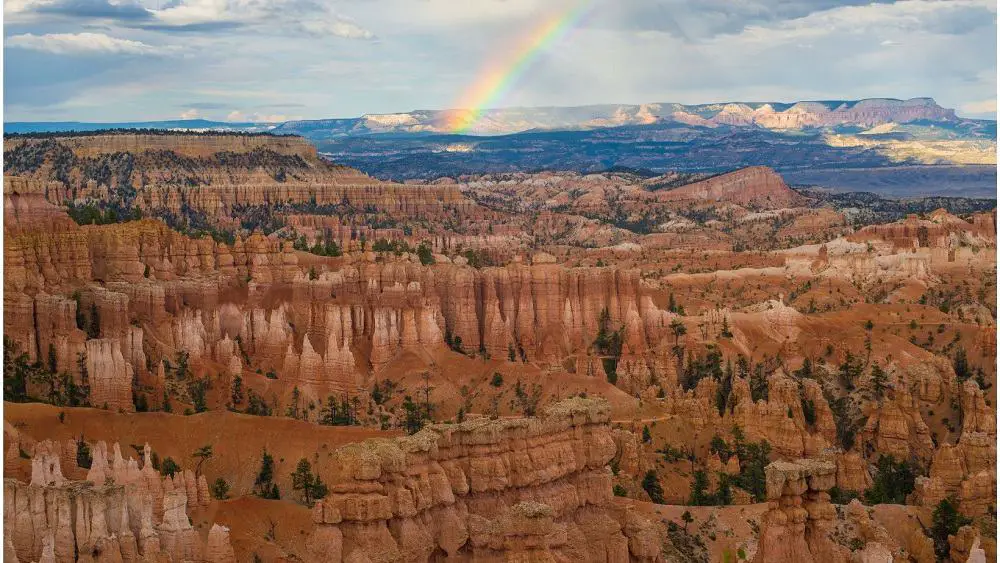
x=484 y=490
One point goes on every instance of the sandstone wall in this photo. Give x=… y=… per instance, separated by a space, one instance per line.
x=515 y=490
x=119 y=513
x=757 y=184
x=800 y=516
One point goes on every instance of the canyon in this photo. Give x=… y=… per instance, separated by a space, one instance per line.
x=537 y=367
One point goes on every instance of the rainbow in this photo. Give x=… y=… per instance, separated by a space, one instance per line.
x=503 y=74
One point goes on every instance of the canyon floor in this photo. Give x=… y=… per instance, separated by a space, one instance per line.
x=222 y=347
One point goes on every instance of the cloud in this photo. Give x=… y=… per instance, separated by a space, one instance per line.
x=270 y=17
x=288 y=16
x=982 y=106
x=696 y=21
x=204 y=105
x=340 y=27
x=126 y=10
x=342 y=58
x=241 y=117
x=80 y=44
x=190 y=114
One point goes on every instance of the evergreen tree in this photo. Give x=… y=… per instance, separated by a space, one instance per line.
x=687 y=519
x=53 y=364
x=81 y=366
x=181 y=371
x=724 y=493
x=850 y=370
x=809 y=411
x=169 y=467
x=414 y=415
x=678 y=328
x=961 y=364
x=946 y=522
x=892 y=483
x=651 y=484
x=424 y=254
x=719 y=447
x=203 y=454
x=83 y=457
x=263 y=485
x=699 y=489
x=879 y=381
x=220 y=489
x=293 y=409
x=758 y=383
x=16 y=371
x=94 y=327
x=312 y=486
x=754 y=457
x=236 y=391
x=726 y=333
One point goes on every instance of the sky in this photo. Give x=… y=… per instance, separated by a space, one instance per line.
x=275 y=60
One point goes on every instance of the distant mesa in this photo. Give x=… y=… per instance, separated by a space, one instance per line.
x=865 y=113
x=771 y=115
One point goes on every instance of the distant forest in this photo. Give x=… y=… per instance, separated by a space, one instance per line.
x=148 y=131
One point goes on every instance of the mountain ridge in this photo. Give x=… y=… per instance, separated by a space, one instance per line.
x=865 y=112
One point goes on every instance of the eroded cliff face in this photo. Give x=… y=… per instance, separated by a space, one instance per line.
x=758 y=186
x=140 y=315
x=210 y=174
x=521 y=490
x=965 y=471
x=939 y=230
x=119 y=513
x=800 y=516
x=156 y=292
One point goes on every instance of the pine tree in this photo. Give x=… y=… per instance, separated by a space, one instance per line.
x=53 y=363
x=651 y=484
x=699 y=489
x=879 y=380
x=264 y=485
x=203 y=454
x=678 y=328
x=961 y=365
x=946 y=522
x=81 y=366
x=687 y=519
x=236 y=393
x=94 y=327
x=312 y=486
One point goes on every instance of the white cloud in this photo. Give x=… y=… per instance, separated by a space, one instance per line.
x=872 y=19
x=196 y=12
x=237 y=115
x=430 y=51
x=190 y=114
x=313 y=18
x=982 y=106
x=340 y=27
x=80 y=44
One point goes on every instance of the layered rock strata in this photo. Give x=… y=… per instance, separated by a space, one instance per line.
x=119 y=513
x=515 y=490
x=800 y=517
